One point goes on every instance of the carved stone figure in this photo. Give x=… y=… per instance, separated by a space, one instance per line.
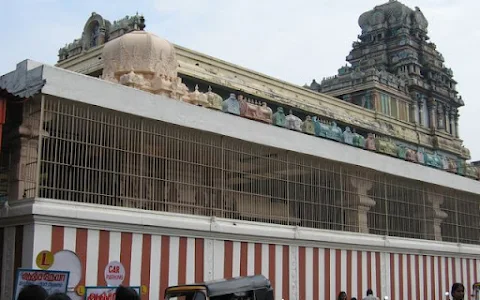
x=386 y=146
x=293 y=122
x=348 y=136
x=180 y=91
x=445 y=165
x=321 y=129
x=247 y=109
x=452 y=165
x=197 y=98
x=279 y=118
x=421 y=155
x=214 y=100
x=370 y=142
x=308 y=126
x=231 y=105
x=461 y=167
x=411 y=155
x=402 y=151
x=95 y=33
x=265 y=113
x=358 y=140
x=135 y=81
x=471 y=171
x=433 y=160
x=335 y=132
x=252 y=110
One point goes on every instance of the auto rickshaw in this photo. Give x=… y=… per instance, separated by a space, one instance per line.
x=476 y=291
x=255 y=287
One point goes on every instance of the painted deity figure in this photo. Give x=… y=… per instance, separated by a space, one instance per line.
x=94 y=35
x=279 y=117
x=231 y=105
x=293 y=122
x=348 y=136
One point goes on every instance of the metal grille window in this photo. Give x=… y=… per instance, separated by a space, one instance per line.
x=94 y=155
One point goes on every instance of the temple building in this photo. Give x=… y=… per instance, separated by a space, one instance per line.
x=186 y=168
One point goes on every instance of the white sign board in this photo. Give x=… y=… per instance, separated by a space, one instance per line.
x=102 y=292
x=114 y=273
x=52 y=281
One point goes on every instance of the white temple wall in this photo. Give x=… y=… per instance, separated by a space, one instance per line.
x=162 y=249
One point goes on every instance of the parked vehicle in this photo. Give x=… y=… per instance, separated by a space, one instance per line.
x=255 y=287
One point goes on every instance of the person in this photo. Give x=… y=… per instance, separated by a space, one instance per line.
x=32 y=292
x=370 y=295
x=342 y=296
x=458 y=291
x=59 y=296
x=126 y=293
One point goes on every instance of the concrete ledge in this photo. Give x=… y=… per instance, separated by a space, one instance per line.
x=133 y=220
x=73 y=86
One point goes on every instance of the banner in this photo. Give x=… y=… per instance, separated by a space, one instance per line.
x=52 y=281
x=104 y=292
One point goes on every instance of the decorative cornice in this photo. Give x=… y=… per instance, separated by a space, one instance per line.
x=73 y=214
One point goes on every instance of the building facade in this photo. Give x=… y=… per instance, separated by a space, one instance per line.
x=185 y=168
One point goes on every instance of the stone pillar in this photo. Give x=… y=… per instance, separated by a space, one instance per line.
x=414 y=112
x=440 y=116
x=432 y=112
x=447 y=119
x=452 y=122
x=376 y=101
x=421 y=107
x=435 y=213
x=23 y=177
x=456 y=117
x=359 y=205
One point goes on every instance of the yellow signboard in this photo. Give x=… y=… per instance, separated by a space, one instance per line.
x=45 y=260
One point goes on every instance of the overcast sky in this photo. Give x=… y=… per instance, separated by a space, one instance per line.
x=294 y=41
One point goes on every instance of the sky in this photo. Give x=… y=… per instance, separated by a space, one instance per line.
x=295 y=41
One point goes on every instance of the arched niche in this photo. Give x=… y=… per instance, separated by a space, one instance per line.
x=95 y=31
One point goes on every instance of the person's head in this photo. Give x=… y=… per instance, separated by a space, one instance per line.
x=458 y=291
x=126 y=293
x=33 y=292
x=369 y=292
x=342 y=296
x=59 y=296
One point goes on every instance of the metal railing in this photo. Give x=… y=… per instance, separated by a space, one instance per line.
x=94 y=155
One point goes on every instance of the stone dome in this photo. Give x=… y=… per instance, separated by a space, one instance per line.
x=141 y=53
x=393 y=13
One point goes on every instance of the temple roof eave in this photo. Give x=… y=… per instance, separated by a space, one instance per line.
x=25 y=82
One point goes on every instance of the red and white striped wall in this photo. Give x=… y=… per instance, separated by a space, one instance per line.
x=296 y=272
x=428 y=277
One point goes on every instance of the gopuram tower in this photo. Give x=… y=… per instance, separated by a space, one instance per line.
x=397 y=71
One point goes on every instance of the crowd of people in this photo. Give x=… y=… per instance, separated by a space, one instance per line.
x=36 y=292
x=457 y=293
